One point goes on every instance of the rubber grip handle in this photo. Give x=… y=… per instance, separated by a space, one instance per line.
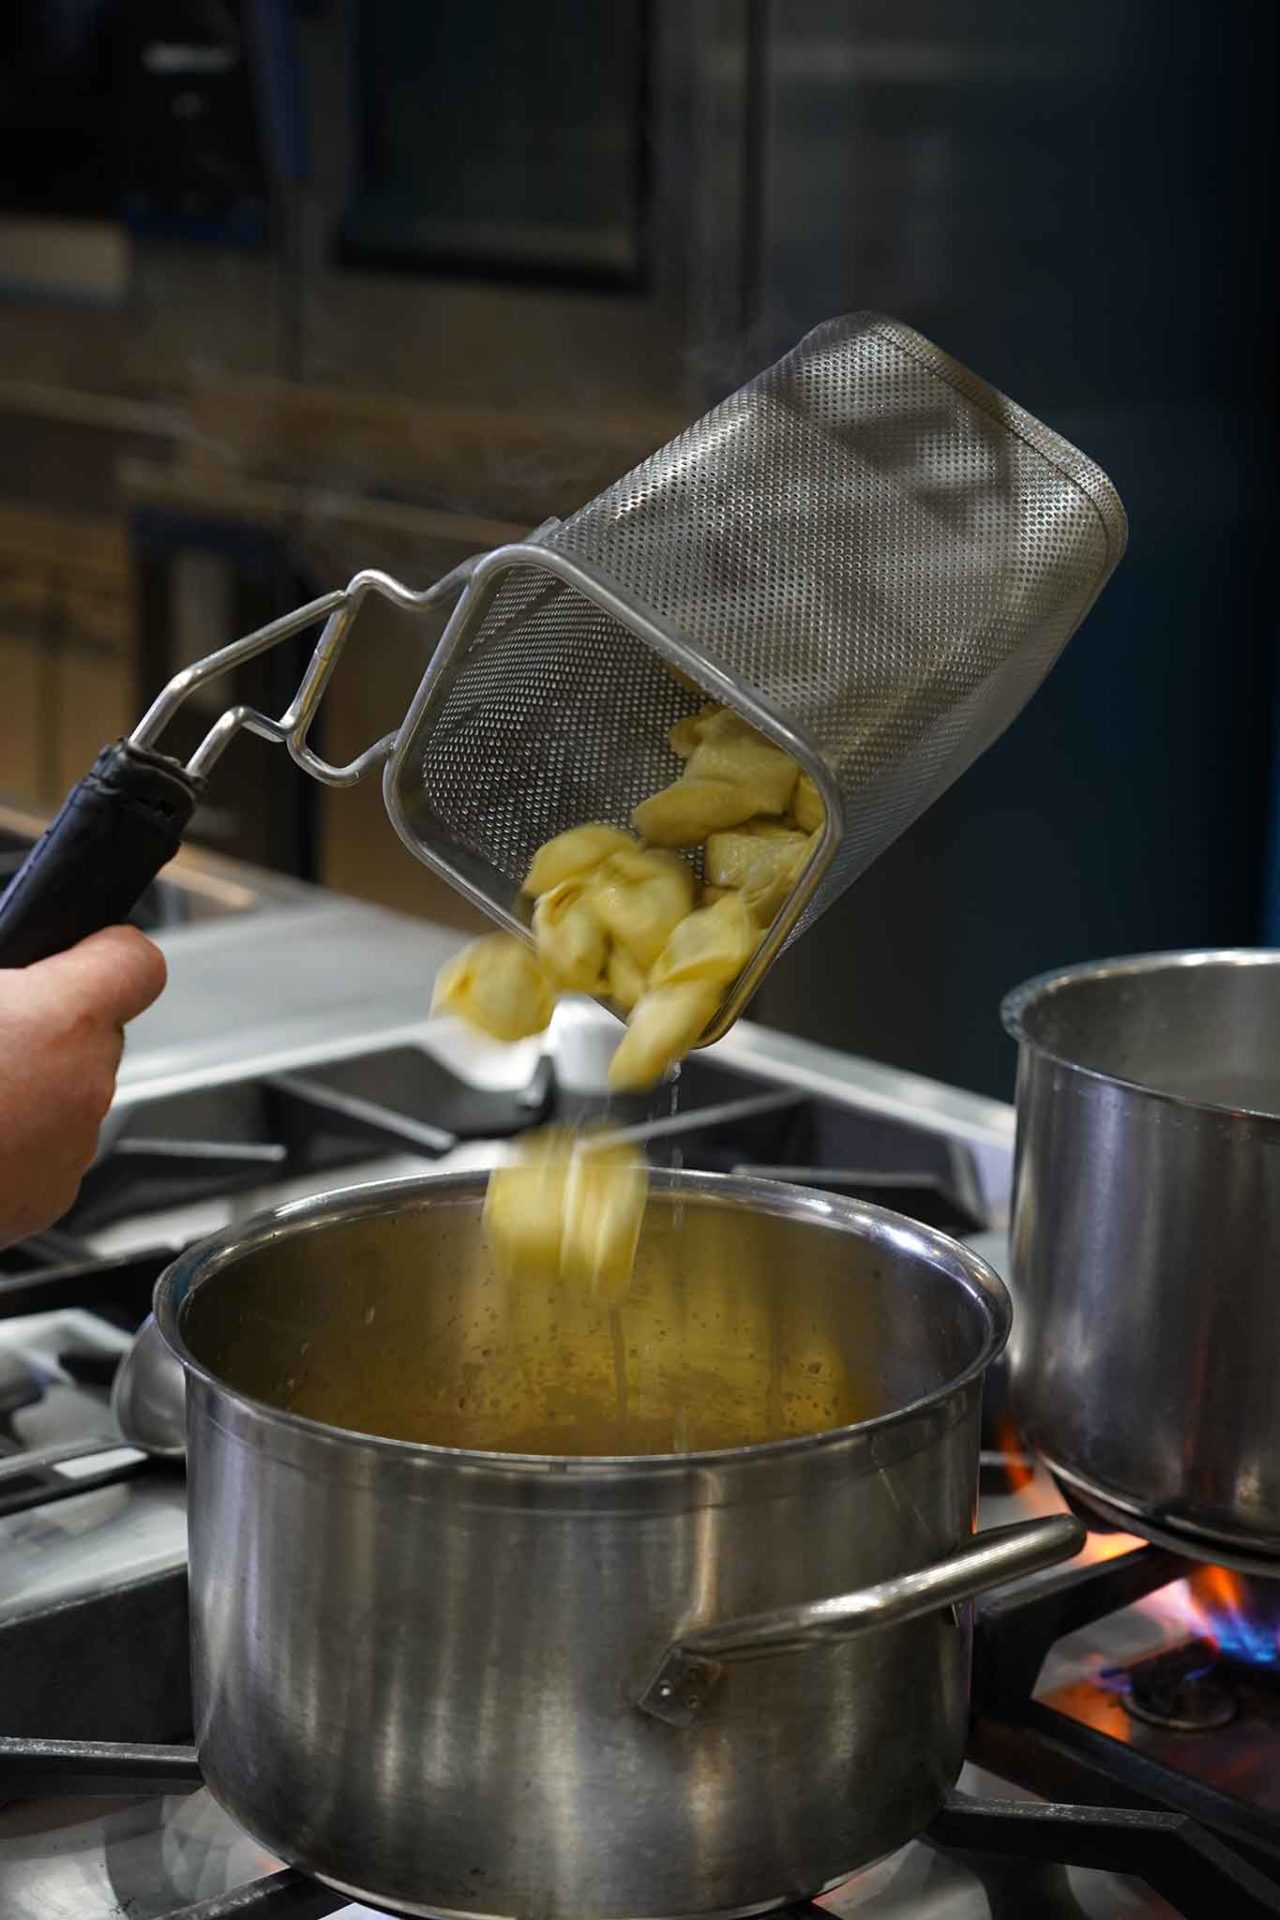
x=108 y=841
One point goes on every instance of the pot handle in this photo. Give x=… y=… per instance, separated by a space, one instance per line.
x=691 y=1665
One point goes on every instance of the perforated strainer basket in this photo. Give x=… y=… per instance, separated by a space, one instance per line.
x=868 y=552
x=872 y=554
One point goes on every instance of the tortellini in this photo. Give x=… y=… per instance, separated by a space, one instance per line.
x=604 y=1202
x=761 y=859
x=571 y=940
x=712 y=945
x=572 y=855
x=665 y=1024
x=684 y=814
x=524 y=1206
x=807 y=808
x=608 y=921
x=498 y=985
x=624 y=979
x=568 y=1207
x=686 y=733
x=729 y=749
x=624 y=919
x=731 y=774
x=639 y=896
x=704 y=955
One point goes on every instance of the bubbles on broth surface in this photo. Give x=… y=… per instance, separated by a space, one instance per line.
x=725 y=1339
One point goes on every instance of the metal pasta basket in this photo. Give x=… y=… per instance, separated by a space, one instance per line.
x=868 y=552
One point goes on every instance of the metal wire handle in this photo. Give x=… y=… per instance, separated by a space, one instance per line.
x=337 y=609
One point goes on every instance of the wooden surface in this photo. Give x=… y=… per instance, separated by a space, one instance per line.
x=431 y=425
x=66 y=647
x=470 y=459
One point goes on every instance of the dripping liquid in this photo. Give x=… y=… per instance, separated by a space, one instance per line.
x=680 y=1433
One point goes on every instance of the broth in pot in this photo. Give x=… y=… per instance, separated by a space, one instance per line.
x=720 y=1342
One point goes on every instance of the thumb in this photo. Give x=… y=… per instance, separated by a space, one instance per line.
x=115 y=974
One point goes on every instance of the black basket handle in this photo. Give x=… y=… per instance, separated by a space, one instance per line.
x=111 y=836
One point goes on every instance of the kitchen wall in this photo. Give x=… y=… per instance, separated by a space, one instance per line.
x=1080 y=202
x=245 y=419
x=170 y=408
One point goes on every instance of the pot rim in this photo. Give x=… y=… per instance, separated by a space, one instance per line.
x=199 y=1263
x=1021 y=1001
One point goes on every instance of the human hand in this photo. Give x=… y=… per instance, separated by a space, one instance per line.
x=61 y=1036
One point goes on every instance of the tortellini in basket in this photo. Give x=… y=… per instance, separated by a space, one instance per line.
x=623 y=918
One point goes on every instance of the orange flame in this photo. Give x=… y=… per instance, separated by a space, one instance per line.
x=1108 y=1546
x=1020 y=1473
x=1018 y=1470
x=1238 y=1616
x=1220 y=1596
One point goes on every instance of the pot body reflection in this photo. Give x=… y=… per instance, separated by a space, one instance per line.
x=418 y=1665
x=1146 y=1241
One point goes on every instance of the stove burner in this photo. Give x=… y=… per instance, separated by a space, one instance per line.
x=1185 y=1689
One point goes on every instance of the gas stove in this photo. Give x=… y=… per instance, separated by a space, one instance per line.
x=1125 y=1747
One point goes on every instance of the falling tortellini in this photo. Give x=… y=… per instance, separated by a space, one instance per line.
x=623 y=917
x=569 y=1207
x=498 y=985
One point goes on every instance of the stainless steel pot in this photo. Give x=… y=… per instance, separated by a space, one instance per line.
x=1146 y=1241
x=453 y=1680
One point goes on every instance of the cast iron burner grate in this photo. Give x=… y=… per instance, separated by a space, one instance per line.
x=1052 y=1754
x=1205 y=1853
x=1189 y=1867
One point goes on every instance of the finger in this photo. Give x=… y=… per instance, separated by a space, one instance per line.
x=110 y=1054
x=116 y=974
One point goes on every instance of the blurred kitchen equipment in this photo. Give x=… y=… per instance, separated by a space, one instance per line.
x=349 y=1589
x=1146 y=1354
x=148 y=1402
x=20 y=1386
x=866 y=551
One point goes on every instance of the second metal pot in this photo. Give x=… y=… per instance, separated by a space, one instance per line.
x=548 y=1681
x=1146 y=1242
